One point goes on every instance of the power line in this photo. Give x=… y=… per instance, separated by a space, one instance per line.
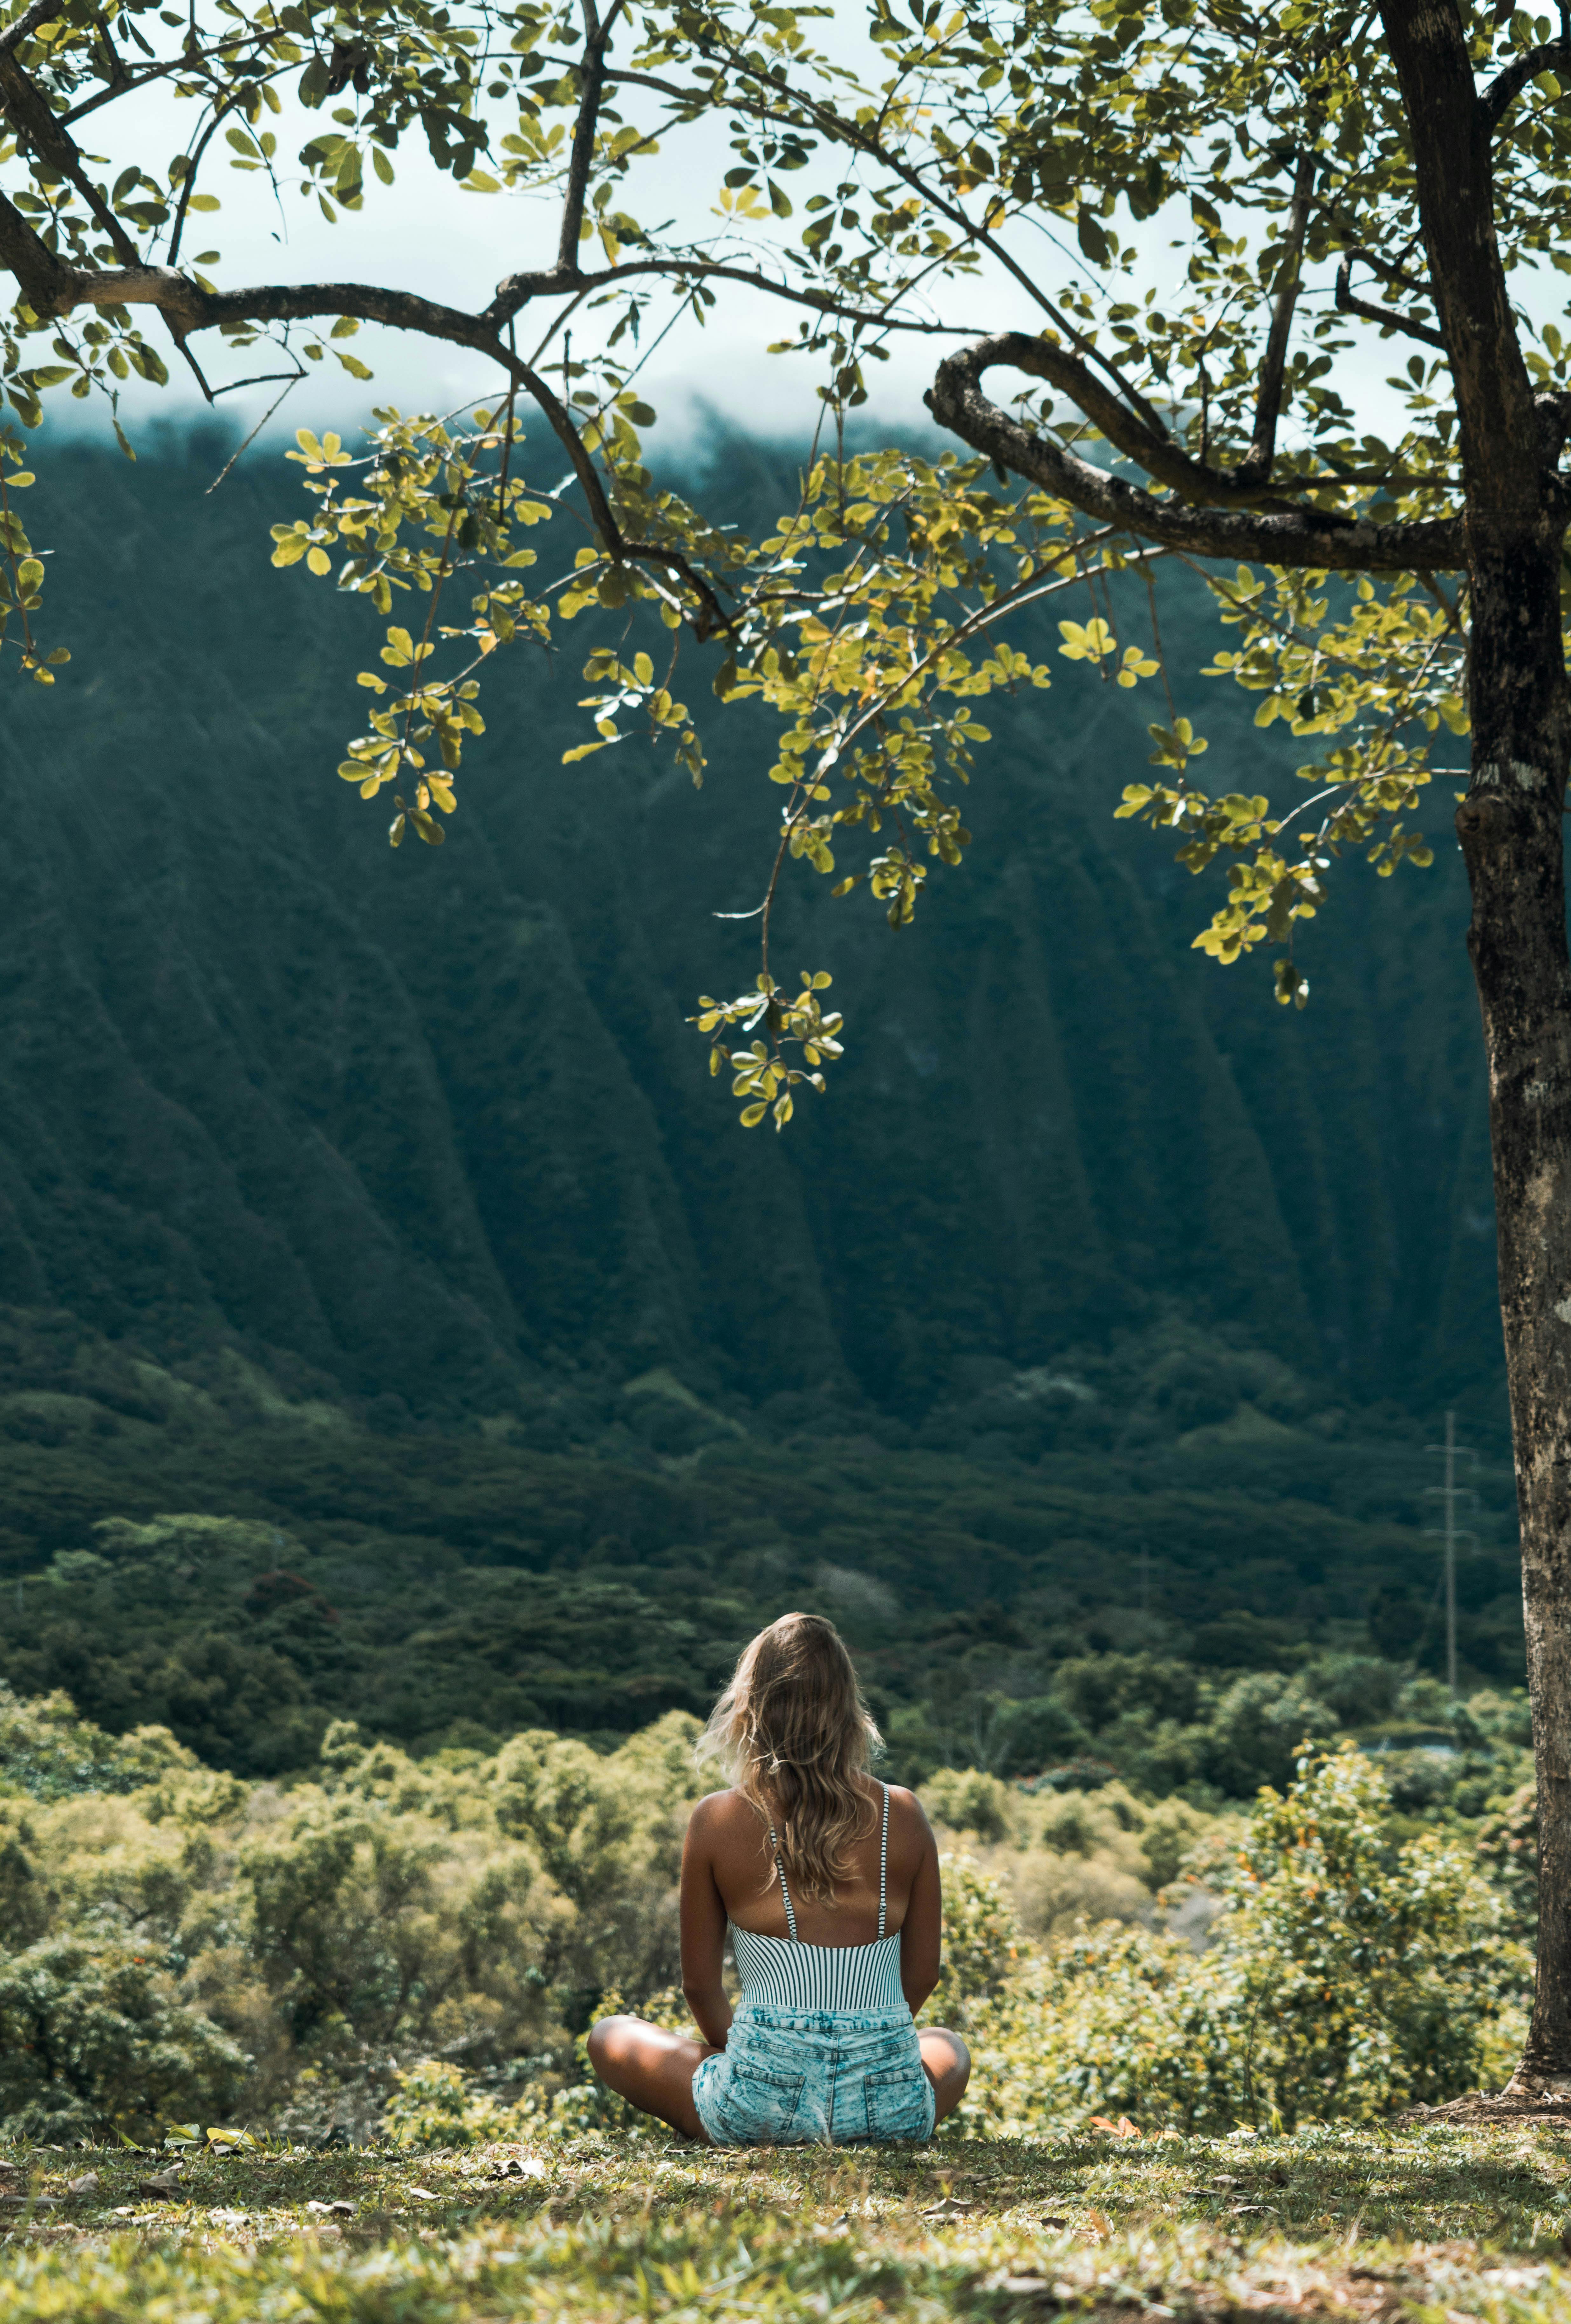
x=1450 y=1493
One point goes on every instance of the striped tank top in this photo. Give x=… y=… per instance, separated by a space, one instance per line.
x=842 y=1979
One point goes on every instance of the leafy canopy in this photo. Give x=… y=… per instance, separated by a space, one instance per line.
x=1187 y=231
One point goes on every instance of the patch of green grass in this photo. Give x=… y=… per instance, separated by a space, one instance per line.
x=1427 y=2224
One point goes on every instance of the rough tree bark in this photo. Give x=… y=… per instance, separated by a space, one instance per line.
x=1510 y=826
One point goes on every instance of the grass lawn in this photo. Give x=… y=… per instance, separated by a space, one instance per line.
x=1441 y=2223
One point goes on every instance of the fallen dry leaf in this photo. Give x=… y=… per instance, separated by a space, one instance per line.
x=87 y=2184
x=339 y=2209
x=954 y=2207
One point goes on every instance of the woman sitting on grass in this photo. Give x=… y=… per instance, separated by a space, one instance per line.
x=829 y=1882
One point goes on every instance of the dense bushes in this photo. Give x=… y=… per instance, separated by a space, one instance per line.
x=1350 y=1972
x=175 y=1942
x=188 y=1942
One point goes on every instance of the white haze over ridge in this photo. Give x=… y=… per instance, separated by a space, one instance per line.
x=425 y=234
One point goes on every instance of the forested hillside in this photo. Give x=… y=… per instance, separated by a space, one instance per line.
x=432 y=1123
x=378 y=1211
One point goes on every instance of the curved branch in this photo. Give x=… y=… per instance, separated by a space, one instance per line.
x=1313 y=538
x=1386 y=317
x=188 y=184
x=558 y=282
x=1161 y=457
x=1552 y=56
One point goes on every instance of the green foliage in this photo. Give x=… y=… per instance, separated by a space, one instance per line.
x=431 y=1937
x=193 y=1944
x=47 y=1752
x=981 y=1945
x=1353 y=1971
x=93 y=2034
x=873 y=614
x=445 y=1593
x=432 y=2104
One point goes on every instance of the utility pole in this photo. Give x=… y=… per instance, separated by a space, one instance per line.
x=1450 y=1493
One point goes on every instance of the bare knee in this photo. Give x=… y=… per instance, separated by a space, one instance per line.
x=948 y=2060
x=608 y=2042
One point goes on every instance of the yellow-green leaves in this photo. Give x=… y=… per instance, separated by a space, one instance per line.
x=1176 y=745
x=1088 y=640
x=1095 y=642
x=764 y=1076
x=327 y=454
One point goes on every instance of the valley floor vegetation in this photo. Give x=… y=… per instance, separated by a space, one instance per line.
x=382 y=1947
x=1172 y=1559
x=311 y=2047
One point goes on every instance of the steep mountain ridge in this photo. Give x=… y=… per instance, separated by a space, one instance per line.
x=430 y=1127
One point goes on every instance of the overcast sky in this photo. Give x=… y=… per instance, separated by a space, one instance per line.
x=425 y=234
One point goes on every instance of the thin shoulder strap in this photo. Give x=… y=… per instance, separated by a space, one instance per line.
x=786 y=1893
x=884 y=1865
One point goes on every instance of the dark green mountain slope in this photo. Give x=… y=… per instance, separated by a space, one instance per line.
x=432 y=1126
x=442 y=1587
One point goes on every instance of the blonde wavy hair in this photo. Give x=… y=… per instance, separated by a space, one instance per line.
x=792 y=1732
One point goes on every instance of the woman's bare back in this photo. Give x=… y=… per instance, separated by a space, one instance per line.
x=726 y=1832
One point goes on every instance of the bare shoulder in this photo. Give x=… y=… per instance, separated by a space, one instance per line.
x=906 y=1804
x=720 y=1816
x=907 y=1818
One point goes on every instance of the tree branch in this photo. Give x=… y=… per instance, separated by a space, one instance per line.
x=188 y=183
x=1447 y=138
x=1254 y=467
x=39 y=132
x=1161 y=458
x=554 y=281
x=46 y=280
x=27 y=23
x=584 y=135
x=1313 y=538
x=131 y=82
x=1388 y=319
x=1552 y=56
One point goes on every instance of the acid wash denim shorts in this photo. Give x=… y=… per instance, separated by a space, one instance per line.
x=794 y=2077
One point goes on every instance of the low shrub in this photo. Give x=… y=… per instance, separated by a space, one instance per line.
x=182 y=1943
x=179 y=1944
x=1350 y=1973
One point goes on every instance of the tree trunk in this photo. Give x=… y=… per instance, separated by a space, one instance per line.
x=1510 y=828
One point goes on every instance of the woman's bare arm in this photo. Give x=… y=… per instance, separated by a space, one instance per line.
x=703 y=1920
x=922 y=1933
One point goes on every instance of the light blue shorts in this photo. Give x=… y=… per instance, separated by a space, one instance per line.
x=794 y=2077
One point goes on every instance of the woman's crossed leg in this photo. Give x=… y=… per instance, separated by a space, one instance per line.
x=653 y=2069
